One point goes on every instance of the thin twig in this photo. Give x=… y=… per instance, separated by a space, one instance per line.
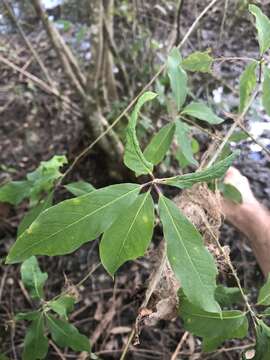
x=130 y=338
x=233 y=58
x=223 y=20
x=179 y=346
x=57 y=350
x=28 y=44
x=177 y=21
x=42 y=85
x=82 y=281
x=88 y=275
x=3 y=280
x=61 y=49
x=25 y=293
x=116 y=54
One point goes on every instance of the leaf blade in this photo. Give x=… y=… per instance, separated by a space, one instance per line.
x=14 y=192
x=231 y=192
x=214 y=172
x=33 y=278
x=264 y=293
x=266 y=90
x=65 y=334
x=248 y=82
x=263 y=27
x=64 y=227
x=62 y=306
x=159 y=144
x=129 y=236
x=35 y=343
x=184 y=141
x=227 y=296
x=79 y=188
x=133 y=156
x=214 y=328
x=178 y=77
x=32 y=214
x=43 y=178
x=202 y=112
x=191 y=262
x=199 y=61
x=262 y=349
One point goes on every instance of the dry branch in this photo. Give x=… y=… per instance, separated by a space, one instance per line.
x=73 y=74
x=42 y=85
x=27 y=42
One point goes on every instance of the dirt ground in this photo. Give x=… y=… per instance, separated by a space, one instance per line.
x=34 y=126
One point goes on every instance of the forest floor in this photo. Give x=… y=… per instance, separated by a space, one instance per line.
x=34 y=126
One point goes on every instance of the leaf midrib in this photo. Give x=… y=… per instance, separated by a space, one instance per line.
x=216 y=317
x=35 y=281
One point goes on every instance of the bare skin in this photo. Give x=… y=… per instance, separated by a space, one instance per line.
x=250 y=217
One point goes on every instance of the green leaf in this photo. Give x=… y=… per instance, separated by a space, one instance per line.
x=248 y=82
x=266 y=90
x=264 y=293
x=33 y=278
x=227 y=296
x=178 y=77
x=79 y=188
x=48 y=169
x=263 y=28
x=213 y=172
x=266 y=312
x=14 y=192
x=129 y=236
x=35 y=343
x=3 y=357
x=29 y=316
x=198 y=61
x=43 y=178
x=65 y=334
x=192 y=264
x=231 y=192
x=180 y=157
x=133 y=156
x=262 y=349
x=202 y=112
x=63 y=228
x=184 y=141
x=39 y=181
x=34 y=213
x=62 y=306
x=159 y=144
x=214 y=328
x=238 y=136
